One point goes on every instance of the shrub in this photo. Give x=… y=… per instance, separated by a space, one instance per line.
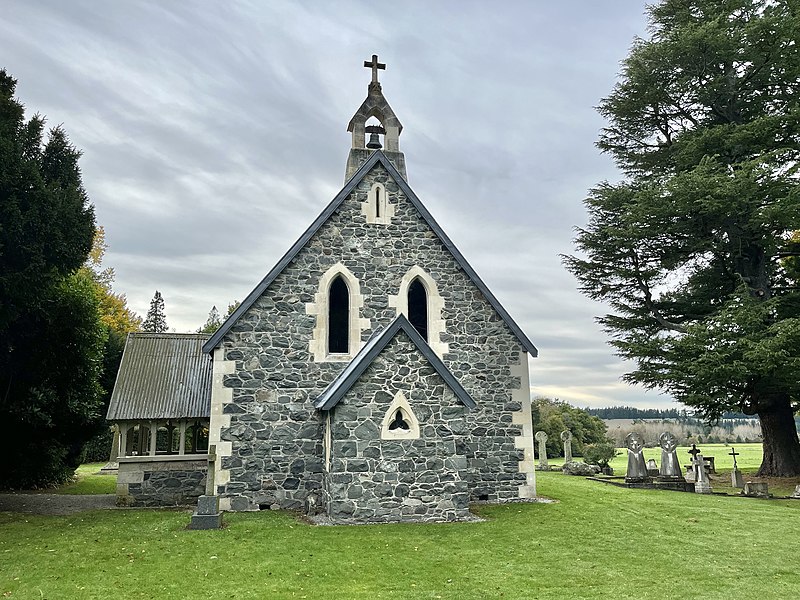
x=599 y=454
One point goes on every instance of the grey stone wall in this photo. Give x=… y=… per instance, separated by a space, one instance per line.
x=161 y=483
x=275 y=432
x=385 y=480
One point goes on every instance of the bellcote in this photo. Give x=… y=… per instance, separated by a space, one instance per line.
x=389 y=127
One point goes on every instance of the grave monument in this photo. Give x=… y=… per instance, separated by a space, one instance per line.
x=541 y=437
x=566 y=437
x=702 y=485
x=637 y=469
x=736 y=474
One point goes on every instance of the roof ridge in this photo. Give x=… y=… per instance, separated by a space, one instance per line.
x=376 y=344
x=377 y=156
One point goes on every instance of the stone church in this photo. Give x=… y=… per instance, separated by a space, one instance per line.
x=371 y=376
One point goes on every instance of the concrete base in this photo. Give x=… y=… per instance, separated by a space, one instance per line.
x=109 y=468
x=673 y=483
x=638 y=482
x=207 y=515
x=206 y=521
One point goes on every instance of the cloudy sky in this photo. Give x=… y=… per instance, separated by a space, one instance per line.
x=214 y=133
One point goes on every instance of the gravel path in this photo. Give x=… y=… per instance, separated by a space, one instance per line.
x=55 y=504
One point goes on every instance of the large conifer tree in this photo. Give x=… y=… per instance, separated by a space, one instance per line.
x=51 y=340
x=156 y=320
x=689 y=249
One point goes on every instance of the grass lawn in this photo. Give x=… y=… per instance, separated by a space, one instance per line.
x=598 y=541
x=89 y=481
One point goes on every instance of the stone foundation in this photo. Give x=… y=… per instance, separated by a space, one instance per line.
x=161 y=480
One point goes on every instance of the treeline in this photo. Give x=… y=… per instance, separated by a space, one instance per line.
x=630 y=412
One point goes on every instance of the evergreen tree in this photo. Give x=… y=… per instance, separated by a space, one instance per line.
x=212 y=323
x=156 y=321
x=51 y=339
x=690 y=249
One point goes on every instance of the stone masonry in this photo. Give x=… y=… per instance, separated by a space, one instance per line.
x=165 y=482
x=379 y=480
x=276 y=456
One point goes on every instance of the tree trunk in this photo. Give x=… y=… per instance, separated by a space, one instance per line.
x=781 y=446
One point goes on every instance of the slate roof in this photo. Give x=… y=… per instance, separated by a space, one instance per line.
x=162 y=376
x=377 y=156
x=356 y=367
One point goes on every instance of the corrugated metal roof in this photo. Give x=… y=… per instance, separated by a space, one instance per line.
x=162 y=376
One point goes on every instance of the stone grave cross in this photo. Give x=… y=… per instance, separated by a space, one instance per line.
x=212 y=470
x=702 y=485
x=541 y=437
x=375 y=65
x=737 y=481
x=566 y=437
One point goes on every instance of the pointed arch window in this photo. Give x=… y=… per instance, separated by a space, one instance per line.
x=338 y=317
x=418 y=307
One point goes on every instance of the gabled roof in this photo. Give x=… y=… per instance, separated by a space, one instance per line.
x=162 y=376
x=356 y=367
x=377 y=157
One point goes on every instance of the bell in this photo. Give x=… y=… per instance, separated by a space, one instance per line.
x=374 y=142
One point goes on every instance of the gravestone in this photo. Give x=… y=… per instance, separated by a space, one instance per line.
x=736 y=474
x=652 y=467
x=566 y=437
x=637 y=469
x=207 y=515
x=796 y=493
x=670 y=465
x=541 y=437
x=756 y=489
x=702 y=484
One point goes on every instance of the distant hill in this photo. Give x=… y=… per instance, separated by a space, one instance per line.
x=629 y=412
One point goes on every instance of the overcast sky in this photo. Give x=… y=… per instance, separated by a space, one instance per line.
x=213 y=135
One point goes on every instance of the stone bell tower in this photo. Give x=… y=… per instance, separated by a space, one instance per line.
x=390 y=128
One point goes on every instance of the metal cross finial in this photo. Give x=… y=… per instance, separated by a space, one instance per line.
x=694 y=451
x=734 y=454
x=374 y=65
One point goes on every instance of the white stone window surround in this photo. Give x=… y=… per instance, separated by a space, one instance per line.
x=377 y=208
x=436 y=324
x=318 y=345
x=400 y=403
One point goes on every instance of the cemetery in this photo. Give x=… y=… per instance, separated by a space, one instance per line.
x=579 y=546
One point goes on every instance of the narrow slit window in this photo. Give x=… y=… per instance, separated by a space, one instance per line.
x=338 y=317
x=377 y=202
x=418 y=308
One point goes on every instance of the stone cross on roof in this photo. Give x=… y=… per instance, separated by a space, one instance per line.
x=374 y=65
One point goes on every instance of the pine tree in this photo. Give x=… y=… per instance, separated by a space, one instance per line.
x=690 y=249
x=156 y=321
x=212 y=323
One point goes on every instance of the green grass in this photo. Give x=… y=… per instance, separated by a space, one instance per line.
x=598 y=541
x=89 y=481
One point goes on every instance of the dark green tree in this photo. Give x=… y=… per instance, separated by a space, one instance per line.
x=690 y=249
x=156 y=320
x=51 y=339
x=554 y=416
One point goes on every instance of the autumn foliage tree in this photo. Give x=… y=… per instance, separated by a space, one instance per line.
x=690 y=250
